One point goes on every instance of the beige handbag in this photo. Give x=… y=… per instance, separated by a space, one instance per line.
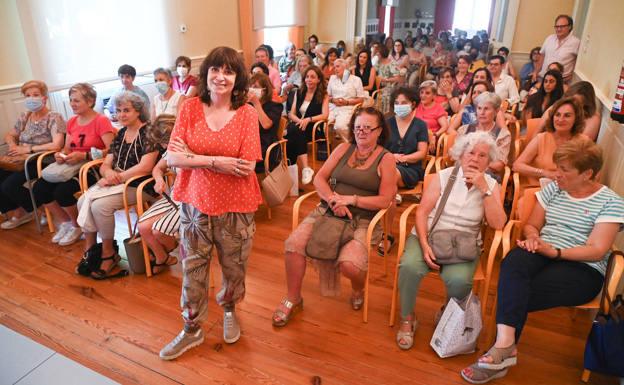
x=276 y=185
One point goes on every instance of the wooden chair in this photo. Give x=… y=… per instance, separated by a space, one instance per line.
x=281 y=145
x=40 y=166
x=489 y=252
x=369 y=236
x=320 y=126
x=532 y=129
x=376 y=96
x=505 y=105
x=429 y=162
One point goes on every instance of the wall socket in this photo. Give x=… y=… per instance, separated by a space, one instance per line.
x=183 y=28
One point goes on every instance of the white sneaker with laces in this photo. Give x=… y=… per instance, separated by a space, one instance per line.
x=231 y=329
x=16 y=222
x=61 y=231
x=71 y=235
x=306 y=175
x=181 y=343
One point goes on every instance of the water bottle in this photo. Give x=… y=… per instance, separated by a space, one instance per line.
x=96 y=153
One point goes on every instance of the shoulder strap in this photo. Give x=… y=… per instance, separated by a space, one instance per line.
x=26 y=117
x=445 y=195
x=496 y=131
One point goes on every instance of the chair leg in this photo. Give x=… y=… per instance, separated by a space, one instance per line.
x=585 y=375
x=127 y=211
x=269 y=212
x=146 y=258
x=50 y=220
x=365 y=308
x=395 y=295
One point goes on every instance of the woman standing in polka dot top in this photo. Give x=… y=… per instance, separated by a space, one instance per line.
x=215 y=145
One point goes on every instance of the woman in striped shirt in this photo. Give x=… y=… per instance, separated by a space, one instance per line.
x=563 y=258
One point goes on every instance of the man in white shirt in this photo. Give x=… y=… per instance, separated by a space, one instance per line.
x=345 y=91
x=504 y=85
x=560 y=47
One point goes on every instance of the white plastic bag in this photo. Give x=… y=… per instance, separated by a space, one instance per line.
x=459 y=328
x=293 y=171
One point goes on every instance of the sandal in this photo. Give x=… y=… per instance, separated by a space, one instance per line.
x=169 y=261
x=501 y=358
x=280 y=318
x=408 y=337
x=357 y=300
x=103 y=274
x=381 y=250
x=481 y=376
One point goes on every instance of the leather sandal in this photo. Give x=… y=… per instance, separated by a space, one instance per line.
x=103 y=274
x=357 y=301
x=501 y=358
x=280 y=318
x=481 y=376
x=169 y=261
x=408 y=336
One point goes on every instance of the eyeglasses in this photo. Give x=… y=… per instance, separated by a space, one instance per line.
x=561 y=26
x=364 y=129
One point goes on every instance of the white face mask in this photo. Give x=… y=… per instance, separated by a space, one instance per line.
x=256 y=91
x=402 y=110
x=182 y=71
x=162 y=87
x=345 y=75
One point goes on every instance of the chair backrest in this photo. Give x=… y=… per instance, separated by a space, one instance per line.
x=504 y=105
x=529 y=200
x=428 y=179
x=532 y=127
x=282 y=126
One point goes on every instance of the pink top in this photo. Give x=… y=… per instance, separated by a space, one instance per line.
x=182 y=87
x=211 y=192
x=89 y=135
x=431 y=115
x=274 y=75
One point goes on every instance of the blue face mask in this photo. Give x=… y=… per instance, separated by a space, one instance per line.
x=33 y=104
x=345 y=76
x=162 y=87
x=402 y=110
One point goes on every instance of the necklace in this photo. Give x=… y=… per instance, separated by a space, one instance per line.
x=360 y=160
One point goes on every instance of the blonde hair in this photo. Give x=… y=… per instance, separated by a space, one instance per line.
x=85 y=90
x=41 y=86
x=582 y=154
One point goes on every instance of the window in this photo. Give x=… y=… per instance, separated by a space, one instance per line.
x=75 y=40
x=277 y=38
x=472 y=15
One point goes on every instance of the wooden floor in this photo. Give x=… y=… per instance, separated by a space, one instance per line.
x=117 y=327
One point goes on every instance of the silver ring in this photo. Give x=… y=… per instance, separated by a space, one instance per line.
x=236 y=170
x=240 y=161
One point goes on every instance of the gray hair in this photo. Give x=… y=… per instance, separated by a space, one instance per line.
x=488 y=98
x=303 y=57
x=467 y=142
x=429 y=84
x=164 y=71
x=135 y=101
x=340 y=61
x=289 y=45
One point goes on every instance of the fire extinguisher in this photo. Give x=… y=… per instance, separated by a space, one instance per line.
x=617 y=112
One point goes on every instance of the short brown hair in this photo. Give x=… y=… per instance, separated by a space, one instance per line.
x=582 y=153
x=579 y=116
x=380 y=120
x=85 y=90
x=35 y=84
x=185 y=59
x=265 y=83
x=224 y=57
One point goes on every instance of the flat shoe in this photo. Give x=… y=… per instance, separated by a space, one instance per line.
x=357 y=301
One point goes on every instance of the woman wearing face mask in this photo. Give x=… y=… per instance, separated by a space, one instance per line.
x=184 y=83
x=269 y=114
x=549 y=92
x=38 y=129
x=168 y=100
x=89 y=134
x=344 y=91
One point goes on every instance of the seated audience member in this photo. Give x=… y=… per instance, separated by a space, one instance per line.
x=365 y=71
x=399 y=55
x=132 y=154
x=440 y=58
x=474 y=196
x=364 y=175
x=287 y=61
x=160 y=224
x=269 y=114
x=477 y=62
x=389 y=43
x=555 y=66
x=87 y=132
x=300 y=52
x=38 y=129
x=168 y=100
x=446 y=95
x=295 y=80
x=507 y=68
x=416 y=58
x=504 y=85
x=527 y=70
x=341 y=46
x=258 y=67
x=388 y=76
x=310 y=105
x=312 y=43
x=468 y=111
x=584 y=94
x=344 y=91
x=263 y=56
x=563 y=124
x=461 y=80
x=431 y=112
x=184 y=83
x=126 y=74
x=328 y=65
x=563 y=257
x=549 y=92
x=488 y=104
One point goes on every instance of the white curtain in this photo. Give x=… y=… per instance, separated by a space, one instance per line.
x=279 y=13
x=87 y=40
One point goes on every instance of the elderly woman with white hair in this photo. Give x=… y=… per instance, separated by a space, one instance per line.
x=472 y=196
x=287 y=61
x=345 y=91
x=488 y=104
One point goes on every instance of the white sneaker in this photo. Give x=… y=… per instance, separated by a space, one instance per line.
x=71 y=235
x=16 y=222
x=61 y=231
x=306 y=175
